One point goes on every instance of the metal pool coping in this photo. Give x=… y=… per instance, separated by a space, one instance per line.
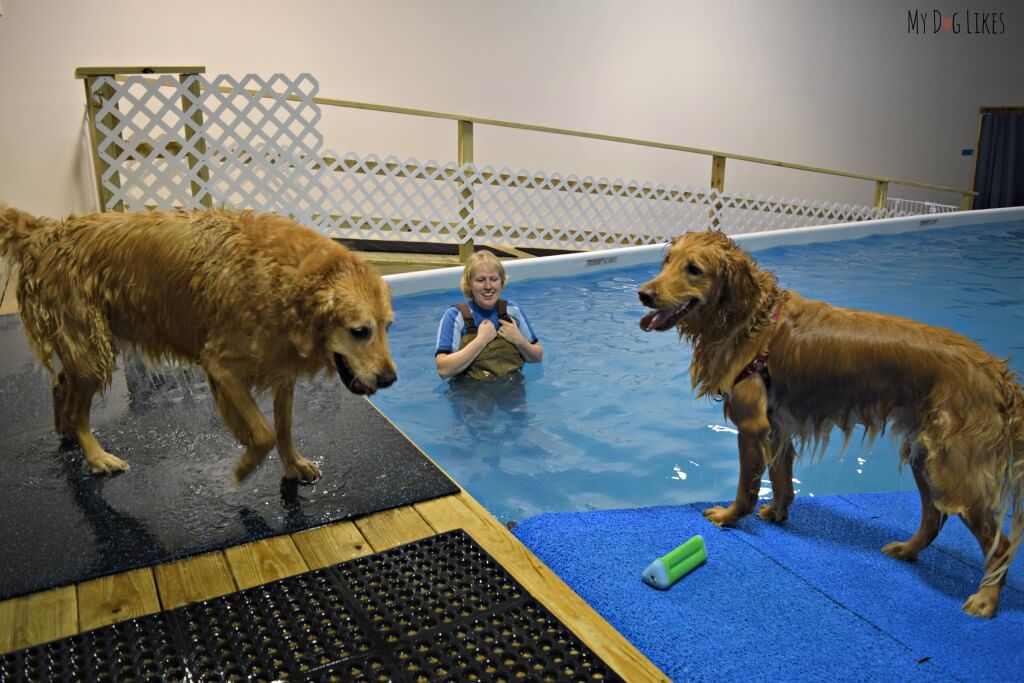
x=571 y=264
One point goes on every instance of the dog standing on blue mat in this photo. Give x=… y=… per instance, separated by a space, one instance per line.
x=790 y=369
x=256 y=300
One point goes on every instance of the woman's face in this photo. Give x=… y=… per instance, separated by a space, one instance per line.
x=485 y=285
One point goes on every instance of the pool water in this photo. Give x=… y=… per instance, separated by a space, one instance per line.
x=608 y=420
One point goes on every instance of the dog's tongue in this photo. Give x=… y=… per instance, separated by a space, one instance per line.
x=656 y=320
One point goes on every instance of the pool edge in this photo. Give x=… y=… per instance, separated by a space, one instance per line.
x=571 y=264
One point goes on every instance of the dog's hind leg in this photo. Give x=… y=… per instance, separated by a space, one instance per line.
x=84 y=344
x=77 y=398
x=242 y=416
x=295 y=466
x=932 y=518
x=63 y=423
x=780 y=471
x=985 y=527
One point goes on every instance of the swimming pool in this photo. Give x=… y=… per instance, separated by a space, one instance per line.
x=608 y=420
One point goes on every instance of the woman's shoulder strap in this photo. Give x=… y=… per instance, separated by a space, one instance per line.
x=467 y=316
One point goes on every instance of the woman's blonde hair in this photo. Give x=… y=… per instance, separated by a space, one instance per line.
x=481 y=258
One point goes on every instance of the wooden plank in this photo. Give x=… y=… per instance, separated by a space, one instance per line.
x=881 y=194
x=193 y=579
x=328 y=545
x=462 y=511
x=38 y=618
x=87 y=71
x=718 y=173
x=264 y=561
x=394 y=527
x=8 y=287
x=115 y=598
x=518 y=253
x=447 y=513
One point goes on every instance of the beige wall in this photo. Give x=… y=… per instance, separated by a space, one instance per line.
x=828 y=83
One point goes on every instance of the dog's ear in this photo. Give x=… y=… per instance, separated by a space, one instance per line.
x=317 y=268
x=313 y=298
x=740 y=289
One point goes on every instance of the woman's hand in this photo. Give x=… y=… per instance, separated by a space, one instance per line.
x=510 y=332
x=487 y=332
x=451 y=364
x=531 y=353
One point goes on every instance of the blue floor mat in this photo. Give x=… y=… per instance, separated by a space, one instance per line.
x=811 y=599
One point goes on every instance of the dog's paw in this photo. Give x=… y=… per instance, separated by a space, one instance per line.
x=772 y=512
x=901 y=550
x=105 y=463
x=983 y=603
x=720 y=516
x=303 y=470
x=242 y=470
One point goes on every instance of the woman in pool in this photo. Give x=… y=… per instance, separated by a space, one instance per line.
x=486 y=337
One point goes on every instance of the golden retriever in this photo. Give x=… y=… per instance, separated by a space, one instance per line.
x=790 y=369
x=256 y=300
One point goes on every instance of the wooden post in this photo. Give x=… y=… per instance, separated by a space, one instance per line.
x=966 y=201
x=204 y=171
x=465 y=141
x=717 y=183
x=718 y=172
x=94 y=103
x=881 y=194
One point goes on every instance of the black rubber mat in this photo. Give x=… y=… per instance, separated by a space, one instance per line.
x=439 y=609
x=60 y=525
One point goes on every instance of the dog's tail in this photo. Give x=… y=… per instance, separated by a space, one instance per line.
x=16 y=230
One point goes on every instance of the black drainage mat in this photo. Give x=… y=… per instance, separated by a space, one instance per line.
x=61 y=525
x=439 y=609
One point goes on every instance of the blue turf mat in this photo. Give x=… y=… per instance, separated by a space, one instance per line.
x=811 y=599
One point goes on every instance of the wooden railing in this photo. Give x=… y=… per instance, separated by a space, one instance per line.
x=466 y=124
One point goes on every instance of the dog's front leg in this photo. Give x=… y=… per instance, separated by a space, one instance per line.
x=748 y=410
x=241 y=415
x=780 y=471
x=295 y=466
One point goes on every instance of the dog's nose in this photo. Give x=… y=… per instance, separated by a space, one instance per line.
x=386 y=379
x=646 y=297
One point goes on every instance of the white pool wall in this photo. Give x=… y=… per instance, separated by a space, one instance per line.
x=573 y=264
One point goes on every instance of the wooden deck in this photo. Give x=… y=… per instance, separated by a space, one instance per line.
x=66 y=611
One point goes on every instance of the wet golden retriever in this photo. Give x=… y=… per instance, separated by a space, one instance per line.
x=790 y=369
x=256 y=300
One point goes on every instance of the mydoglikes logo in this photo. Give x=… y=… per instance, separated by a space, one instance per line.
x=969 y=22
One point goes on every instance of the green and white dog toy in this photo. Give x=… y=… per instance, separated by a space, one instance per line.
x=668 y=569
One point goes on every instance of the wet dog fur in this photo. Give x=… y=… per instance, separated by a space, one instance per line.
x=256 y=300
x=959 y=410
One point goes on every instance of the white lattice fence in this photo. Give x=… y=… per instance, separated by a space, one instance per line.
x=190 y=142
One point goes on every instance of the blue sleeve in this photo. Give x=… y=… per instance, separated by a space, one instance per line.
x=523 y=322
x=446 y=332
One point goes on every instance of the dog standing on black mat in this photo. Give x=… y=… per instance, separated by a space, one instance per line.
x=256 y=300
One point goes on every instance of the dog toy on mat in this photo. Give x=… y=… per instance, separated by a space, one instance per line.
x=668 y=569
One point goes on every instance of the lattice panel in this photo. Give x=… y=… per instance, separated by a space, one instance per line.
x=188 y=142
x=913 y=207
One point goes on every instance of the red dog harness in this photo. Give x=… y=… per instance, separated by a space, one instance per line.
x=760 y=363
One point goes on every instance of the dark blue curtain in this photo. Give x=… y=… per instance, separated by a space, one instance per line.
x=999 y=180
